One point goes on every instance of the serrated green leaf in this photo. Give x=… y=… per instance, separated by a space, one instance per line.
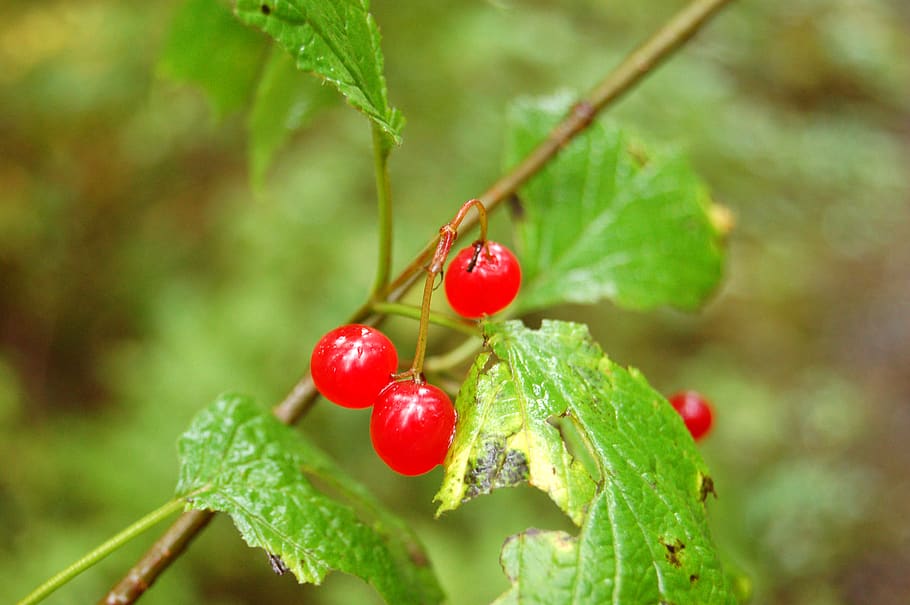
x=240 y=460
x=336 y=41
x=644 y=535
x=285 y=101
x=602 y=223
x=207 y=46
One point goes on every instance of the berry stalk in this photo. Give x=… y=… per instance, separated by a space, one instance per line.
x=448 y=233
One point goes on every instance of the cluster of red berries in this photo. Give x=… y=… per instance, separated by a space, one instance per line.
x=695 y=411
x=412 y=423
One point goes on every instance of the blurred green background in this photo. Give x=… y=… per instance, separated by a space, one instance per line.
x=141 y=275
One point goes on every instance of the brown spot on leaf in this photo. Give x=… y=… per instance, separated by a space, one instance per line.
x=693 y=578
x=674 y=551
x=265 y=9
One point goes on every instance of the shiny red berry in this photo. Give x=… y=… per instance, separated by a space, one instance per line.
x=412 y=427
x=482 y=280
x=352 y=363
x=695 y=411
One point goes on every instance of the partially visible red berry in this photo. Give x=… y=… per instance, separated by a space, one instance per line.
x=695 y=411
x=482 y=280
x=412 y=426
x=352 y=363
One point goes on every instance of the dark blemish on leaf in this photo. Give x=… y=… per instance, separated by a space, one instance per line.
x=674 y=552
x=495 y=467
x=490 y=362
x=478 y=478
x=693 y=578
x=266 y=10
x=277 y=564
x=705 y=487
x=515 y=468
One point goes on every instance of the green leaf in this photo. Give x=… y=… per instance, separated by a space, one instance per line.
x=337 y=41
x=602 y=223
x=240 y=460
x=285 y=101
x=207 y=46
x=548 y=407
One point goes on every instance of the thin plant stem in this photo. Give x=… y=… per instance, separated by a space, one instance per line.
x=381 y=149
x=439 y=319
x=456 y=356
x=639 y=63
x=101 y=551
x=424 y=326
x=481 y=216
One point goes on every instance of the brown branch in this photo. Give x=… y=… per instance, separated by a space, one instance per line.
x=639 y=63
x=164 y=552
x=624 y=77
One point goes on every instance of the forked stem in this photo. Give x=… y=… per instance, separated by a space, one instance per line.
x=448 y=233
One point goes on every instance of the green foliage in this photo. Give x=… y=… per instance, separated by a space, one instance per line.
x=285 y=100
x=601 y=222
x=548 y=407
x=239 y=459
x=336 y=41
x=129 y=268
x=207 y=46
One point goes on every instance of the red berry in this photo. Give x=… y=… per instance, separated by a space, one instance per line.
x=695 y=411
x=412 y=426
x=482 y=280
x=352 y=363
